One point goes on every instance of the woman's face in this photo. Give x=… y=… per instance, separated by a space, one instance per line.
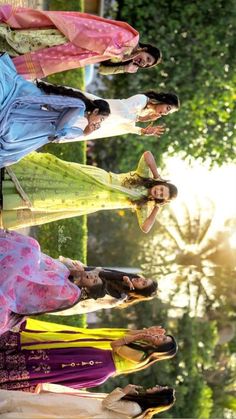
x=160 y=339
x=91 y=279
x=160 y=109
x=95 y=120
x=141 y=283
x=160 y=192
x=144 y=59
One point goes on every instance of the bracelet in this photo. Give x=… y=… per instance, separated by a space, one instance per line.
x=125 y=341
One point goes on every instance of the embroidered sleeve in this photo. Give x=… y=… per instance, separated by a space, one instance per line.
x=115 y=403
x=103 y=69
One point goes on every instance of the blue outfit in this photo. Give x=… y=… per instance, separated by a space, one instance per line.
x=29 y=118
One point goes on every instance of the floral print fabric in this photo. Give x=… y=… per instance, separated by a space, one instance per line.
x=30 y=281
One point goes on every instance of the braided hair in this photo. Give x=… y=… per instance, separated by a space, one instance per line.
x=90 y=105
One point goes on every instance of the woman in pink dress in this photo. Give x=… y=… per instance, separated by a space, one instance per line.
x=31 y=282
x=46 y=42
x=34 y=283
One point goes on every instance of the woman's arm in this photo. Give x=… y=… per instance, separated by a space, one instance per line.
x=136 y=335
x=150 y=220
x=150 y=161
x=113 y=401
x=153 y=330
x=117 y=69
x=129 y=338
x=72 y=264
x=71 y=124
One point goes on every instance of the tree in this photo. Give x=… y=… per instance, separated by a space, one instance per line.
x=199 y=56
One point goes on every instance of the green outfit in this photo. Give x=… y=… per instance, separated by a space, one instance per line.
x=17 y=42
x=42 y=188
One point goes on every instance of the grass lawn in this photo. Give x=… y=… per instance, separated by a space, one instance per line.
x=66 y=237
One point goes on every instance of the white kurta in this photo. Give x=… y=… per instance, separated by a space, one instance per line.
x=90 y=305
x=21 y=405
x=122 y=119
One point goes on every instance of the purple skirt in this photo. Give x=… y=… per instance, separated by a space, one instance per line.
x=81 y=367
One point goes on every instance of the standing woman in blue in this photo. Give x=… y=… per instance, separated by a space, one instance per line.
x=29 y=118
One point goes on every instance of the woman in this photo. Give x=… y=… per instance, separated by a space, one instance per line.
x=125 y=113
x=46 y=42
x=42 y=188
x=29 y=118
x=53 y=285
x=75 y=357
x=119 y=289
x=129 y=402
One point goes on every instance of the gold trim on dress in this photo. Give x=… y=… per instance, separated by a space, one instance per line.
x=81 y=364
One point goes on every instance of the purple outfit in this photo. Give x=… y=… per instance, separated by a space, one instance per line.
x=77 y=367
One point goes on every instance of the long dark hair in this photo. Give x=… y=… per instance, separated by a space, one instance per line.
x=169 y=348
x=150 y=49
x=162 y=97
x=113 y=285
x=153 y=51
x=94 y=292
x=148 y=183
x=90 y=105
x=156 y=402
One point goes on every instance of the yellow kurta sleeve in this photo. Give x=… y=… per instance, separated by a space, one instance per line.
x=103 y=69
x=143 y=169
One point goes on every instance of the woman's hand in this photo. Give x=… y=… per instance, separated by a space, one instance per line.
x=131 y=389
x=150 y=334
x=72 y=264
x=150 y=130
x=79 y=266
x=155 y=330
x=76 y=268
x=128 y=282
x=131 y=68
x=147 y=118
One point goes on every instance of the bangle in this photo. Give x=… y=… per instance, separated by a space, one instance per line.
x=125 y=340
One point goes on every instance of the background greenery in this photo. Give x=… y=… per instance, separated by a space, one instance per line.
x=197 y=39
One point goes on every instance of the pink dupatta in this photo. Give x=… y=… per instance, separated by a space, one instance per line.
x=91 y=39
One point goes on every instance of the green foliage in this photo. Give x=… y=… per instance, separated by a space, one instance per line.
x=121 y=241
x=65 y=237
x=71 y=5
x=199 y=57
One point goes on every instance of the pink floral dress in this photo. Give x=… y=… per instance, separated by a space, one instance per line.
x=30 y=281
